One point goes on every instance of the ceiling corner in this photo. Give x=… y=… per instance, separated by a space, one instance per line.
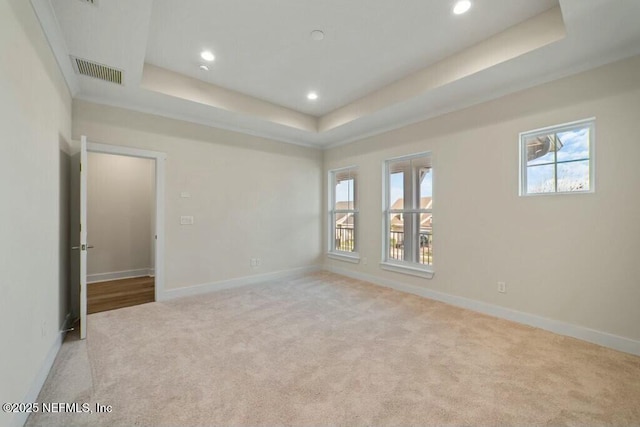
x=51 y=29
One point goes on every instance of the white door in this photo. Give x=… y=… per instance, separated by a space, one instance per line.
x=83 y=238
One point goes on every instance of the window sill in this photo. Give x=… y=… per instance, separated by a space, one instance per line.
x=405 y=269
x=556 y=193
x=352 y=258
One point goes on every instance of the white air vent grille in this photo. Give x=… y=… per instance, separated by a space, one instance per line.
x=97 y=71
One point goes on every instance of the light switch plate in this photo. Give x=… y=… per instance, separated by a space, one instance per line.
x=186 y=220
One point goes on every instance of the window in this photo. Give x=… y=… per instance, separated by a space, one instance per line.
x=408 y=203
x=343 y=214
x=557 y=159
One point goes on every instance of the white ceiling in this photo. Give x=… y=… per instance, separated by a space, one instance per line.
x=264 y=48
x=381 y=65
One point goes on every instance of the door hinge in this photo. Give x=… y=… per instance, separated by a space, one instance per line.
x=80 y=167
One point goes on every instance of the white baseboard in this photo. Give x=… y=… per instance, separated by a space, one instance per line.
x=20 y=419
x=115 y=275
x=562 y=328
x=235 y=283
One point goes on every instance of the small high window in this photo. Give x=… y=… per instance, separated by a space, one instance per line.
x=558 y=159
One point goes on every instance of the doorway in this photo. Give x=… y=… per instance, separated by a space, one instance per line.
x=80 y=238
x=121 y=230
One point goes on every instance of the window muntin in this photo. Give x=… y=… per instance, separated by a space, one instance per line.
x=557 y=159
x=408 y=211
x=343 y=212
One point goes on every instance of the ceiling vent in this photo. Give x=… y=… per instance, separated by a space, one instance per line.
x=97 y=71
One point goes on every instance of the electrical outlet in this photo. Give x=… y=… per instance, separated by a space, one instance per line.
x=364 y=260
x=502 y=287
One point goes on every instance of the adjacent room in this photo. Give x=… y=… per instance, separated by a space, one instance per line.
x=320 y=213
x=120 y=221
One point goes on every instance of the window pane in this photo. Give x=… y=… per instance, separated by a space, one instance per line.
x=407 y=246
x=558 y=160
x=540 y=149
x=573 y=176
x=345 y=232
x=541 y=179
x=425 y=255
x=426 y=188
x=345 y=193
x=575 y=145
x=396 y=236
x=410 y=187
x=396 y=190
x=343 y=224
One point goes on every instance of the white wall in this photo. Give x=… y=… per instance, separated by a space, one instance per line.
x=485 y=233
x=250 y=197
x=120 y=200
x=35 y=126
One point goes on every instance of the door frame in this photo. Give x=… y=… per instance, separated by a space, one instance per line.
x=159 y=160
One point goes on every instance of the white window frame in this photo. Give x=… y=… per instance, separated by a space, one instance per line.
x=387 y=263
x=579 y=124
x=333 y=252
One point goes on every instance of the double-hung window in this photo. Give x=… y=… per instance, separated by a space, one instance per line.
x=558 y=159
x=408 y=215
x=343 y=214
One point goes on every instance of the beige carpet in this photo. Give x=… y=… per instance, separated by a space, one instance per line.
x=327 y=350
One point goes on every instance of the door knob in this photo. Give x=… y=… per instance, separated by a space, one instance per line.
x=84 y=247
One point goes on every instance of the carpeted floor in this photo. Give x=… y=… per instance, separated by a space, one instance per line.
x=327 y=350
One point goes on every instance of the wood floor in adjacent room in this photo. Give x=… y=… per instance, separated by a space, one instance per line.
x=105 y=296
x=323 y=349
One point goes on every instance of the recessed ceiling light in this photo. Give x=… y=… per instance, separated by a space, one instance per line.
x=204 y=68
x=207 y=55
x=317 y=35
x=461 y=7
x=312 y=96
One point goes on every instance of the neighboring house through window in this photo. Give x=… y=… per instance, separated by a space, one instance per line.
x=558 y=159
x=408 y=215
x=343 y=214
